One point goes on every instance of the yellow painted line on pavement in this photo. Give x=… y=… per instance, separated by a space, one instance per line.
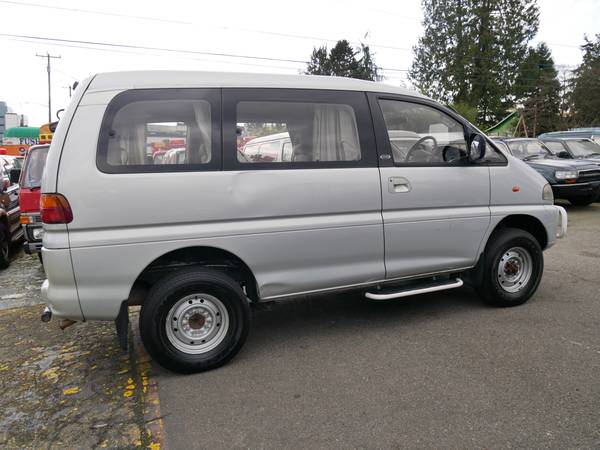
x=147 y=387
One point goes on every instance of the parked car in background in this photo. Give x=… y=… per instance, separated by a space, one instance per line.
x=10 y=229
x=159 y=156
x=575 y=180
x=337 y=209
x=589 y=133
x=573 y=148
x=173 y=156
x=12 y=163
x=272 y=148
x=29 y=197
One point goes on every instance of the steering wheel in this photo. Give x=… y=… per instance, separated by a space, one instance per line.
x=418 y=144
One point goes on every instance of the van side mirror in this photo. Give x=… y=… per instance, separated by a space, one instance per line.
x=476 y=147
x=563 y=154
x=14 y=175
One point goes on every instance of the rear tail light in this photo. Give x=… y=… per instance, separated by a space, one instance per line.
x=54 y=208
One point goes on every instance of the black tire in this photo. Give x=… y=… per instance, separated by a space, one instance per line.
x=170 y=291
x=582 y=201
x=4 y=247
x=502 y=241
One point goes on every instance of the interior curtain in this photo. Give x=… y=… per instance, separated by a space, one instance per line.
x=335 y=137
x=203 y=122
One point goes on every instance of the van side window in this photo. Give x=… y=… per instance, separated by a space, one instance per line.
x=422 y=135
x=280 y=132
x=157 y=130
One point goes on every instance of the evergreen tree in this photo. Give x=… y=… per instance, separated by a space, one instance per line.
x=586 y=86
x=471 y=51
x=538 y=89
x=343 y=61
x=319 y=62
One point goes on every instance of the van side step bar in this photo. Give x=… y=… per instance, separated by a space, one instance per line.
x=415 y=290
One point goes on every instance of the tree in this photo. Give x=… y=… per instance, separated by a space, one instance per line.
x=586 y=86
x=537 y=87
x=471 y=50
x=343 y=61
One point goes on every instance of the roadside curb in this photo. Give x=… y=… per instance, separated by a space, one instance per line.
x=152 y=428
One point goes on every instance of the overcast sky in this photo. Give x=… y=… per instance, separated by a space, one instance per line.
x=269 y=29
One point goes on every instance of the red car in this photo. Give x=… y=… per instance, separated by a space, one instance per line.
x=29 y=197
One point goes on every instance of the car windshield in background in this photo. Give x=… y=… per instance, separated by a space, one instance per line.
x=528 y=149
x=583 y=148
x=34 y=168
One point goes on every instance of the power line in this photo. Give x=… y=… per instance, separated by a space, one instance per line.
x=113 y=47
x=168 y=50
x=204 y=25
x=110 y=50
x=246 y=30
x=143 y=47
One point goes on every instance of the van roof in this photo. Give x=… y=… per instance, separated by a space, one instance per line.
x=196 y=79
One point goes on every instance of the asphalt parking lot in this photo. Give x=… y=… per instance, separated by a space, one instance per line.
x=441 y=370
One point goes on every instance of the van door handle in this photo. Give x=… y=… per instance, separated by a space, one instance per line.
x=398 y=184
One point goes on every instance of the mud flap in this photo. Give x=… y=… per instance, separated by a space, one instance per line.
x=122 y=324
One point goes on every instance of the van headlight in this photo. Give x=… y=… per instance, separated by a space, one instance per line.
x=547 y=193
x=565 y=174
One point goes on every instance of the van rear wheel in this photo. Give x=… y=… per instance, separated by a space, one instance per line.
x=194 y=320
x=512 y=268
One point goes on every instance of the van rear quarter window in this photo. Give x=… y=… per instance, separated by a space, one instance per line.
x=161 y=130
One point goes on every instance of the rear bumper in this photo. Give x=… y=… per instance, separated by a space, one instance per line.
x=567 y=191
x=59 y=290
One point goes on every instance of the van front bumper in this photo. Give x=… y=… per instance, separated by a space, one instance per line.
x=562 y=223
x=59 y=291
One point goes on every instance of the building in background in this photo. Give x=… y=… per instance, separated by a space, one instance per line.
x=10 y=119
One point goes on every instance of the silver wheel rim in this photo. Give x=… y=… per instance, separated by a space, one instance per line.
x=197 y=323
x=515 y=269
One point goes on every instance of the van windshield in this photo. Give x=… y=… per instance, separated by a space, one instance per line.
x=34 y=167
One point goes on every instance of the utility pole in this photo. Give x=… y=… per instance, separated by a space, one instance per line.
x=48 y=56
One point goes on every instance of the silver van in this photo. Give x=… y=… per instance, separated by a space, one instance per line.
x=384 y=192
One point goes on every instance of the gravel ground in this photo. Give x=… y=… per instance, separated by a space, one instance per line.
x=66 y=389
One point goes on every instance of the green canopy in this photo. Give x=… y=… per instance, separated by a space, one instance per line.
x=23 y=132
x=506 y=126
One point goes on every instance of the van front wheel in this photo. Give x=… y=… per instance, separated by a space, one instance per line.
x=194 y=320
x=512 y=268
